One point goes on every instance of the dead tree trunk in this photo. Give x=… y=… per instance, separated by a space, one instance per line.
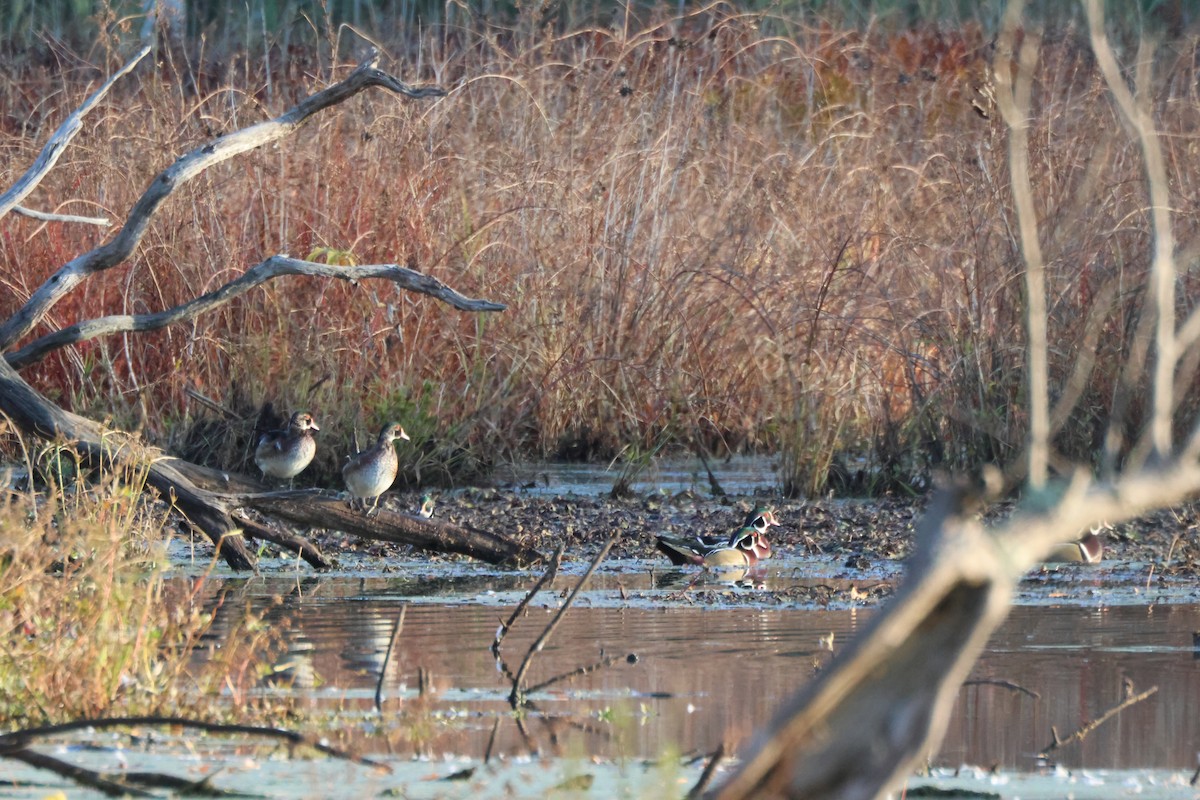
x=210 y=501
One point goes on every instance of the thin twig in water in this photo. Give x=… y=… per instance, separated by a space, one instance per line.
x=707 y=774
x=387 y=657
x=1081 y=734
x=517 y=697
x=1016 y=687
x=15 y=740
x=549 y=575
x=607 y=661
x=487 y=753
x=81 y=775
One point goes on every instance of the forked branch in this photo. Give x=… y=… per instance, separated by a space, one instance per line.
x=274 y=267
x=58 y=142
x=187 y=167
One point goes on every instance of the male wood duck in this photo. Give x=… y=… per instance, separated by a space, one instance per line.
x=285 y=453
x=371 y=472
x=761 y=518
x=745 y=548
x=1087 y=550
x=426 y=509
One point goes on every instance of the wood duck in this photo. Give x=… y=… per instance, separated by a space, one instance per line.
x=745 y=548
x=285 y=453
x=761 y=518
x=426 y=509
x=371 y=472
x=1087 y=550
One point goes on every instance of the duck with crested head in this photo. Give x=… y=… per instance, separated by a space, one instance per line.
x=745 y=548
x=1088 y=549
x=284 y=454
x=761 y=518
x=427 y=504
x=692 y=551
x=370 y=473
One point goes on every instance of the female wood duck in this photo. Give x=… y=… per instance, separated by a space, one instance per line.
x=285 y=453
x=1087 y=550
x=745 y=548
x=371 y=472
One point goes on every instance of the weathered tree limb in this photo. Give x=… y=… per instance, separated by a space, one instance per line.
x=289 y=541
x=25 y=737
x=273 y=267
x=326 y=511
x=518 y=696
x=80 y=775
x=1084 y=730
x=1003 y=684
x=547 y=577
x=103 y=222
x=1013 y=98
x=1137 y=111
x=30 y=411
x=58 y=142
x=185 y=168
x=207 y=498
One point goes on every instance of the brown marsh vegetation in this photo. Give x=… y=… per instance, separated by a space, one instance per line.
x=724 y=231
x=730 y=231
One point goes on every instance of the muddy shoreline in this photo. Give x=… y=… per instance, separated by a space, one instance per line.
x=859 y=533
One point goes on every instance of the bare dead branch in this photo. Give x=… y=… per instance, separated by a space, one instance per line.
x=1084 y=730
x=387 y=656
x=322 y=510
x=80 y=775
x=547 y=577
x=1003 y=684
x=67 y=131
x=103 y=222
x=1013 y=98
x=185 y=168
x=272 y=268
x=710 y=769
x=579 y=672
x=1139 y=115
x=26 y=736
x=517 y=697
x=296 y=544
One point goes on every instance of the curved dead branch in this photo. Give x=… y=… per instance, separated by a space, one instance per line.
x=61 y=138
x=185 y=168
x=272 y=268
x=16 y=746
x=42 y=216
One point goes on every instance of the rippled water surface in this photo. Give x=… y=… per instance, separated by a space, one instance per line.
x=692 y=666
x=708 y=673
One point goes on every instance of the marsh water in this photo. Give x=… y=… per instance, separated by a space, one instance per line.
x=692 y=666
x=708 y=673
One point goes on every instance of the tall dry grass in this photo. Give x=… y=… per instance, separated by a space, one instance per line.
x=91 y=621
x=730 y=231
